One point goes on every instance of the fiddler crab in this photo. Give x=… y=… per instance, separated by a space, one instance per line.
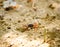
x=31 y=26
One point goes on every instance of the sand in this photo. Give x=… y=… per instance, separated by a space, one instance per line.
x=12 y=23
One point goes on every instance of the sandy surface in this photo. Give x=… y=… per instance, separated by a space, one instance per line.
x=47 y=34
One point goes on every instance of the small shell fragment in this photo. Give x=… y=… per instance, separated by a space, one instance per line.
x=6 y=4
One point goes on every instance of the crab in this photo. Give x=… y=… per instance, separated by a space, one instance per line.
x=31 y=26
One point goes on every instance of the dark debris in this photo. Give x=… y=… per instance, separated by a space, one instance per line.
x=50 y=6
x=8 y=8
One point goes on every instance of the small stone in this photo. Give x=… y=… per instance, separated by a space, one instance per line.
x=1 y=18
x=8 y=9
x=19 y=21
x=50 y=6
x=10 y=46
x=8 y=36
x=58 y=45
x=9 y=27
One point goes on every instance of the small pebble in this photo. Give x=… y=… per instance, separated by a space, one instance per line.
x=9 y=27
x=50 y=6
x=10 y=46
x=8 y=8
x=19 y=21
